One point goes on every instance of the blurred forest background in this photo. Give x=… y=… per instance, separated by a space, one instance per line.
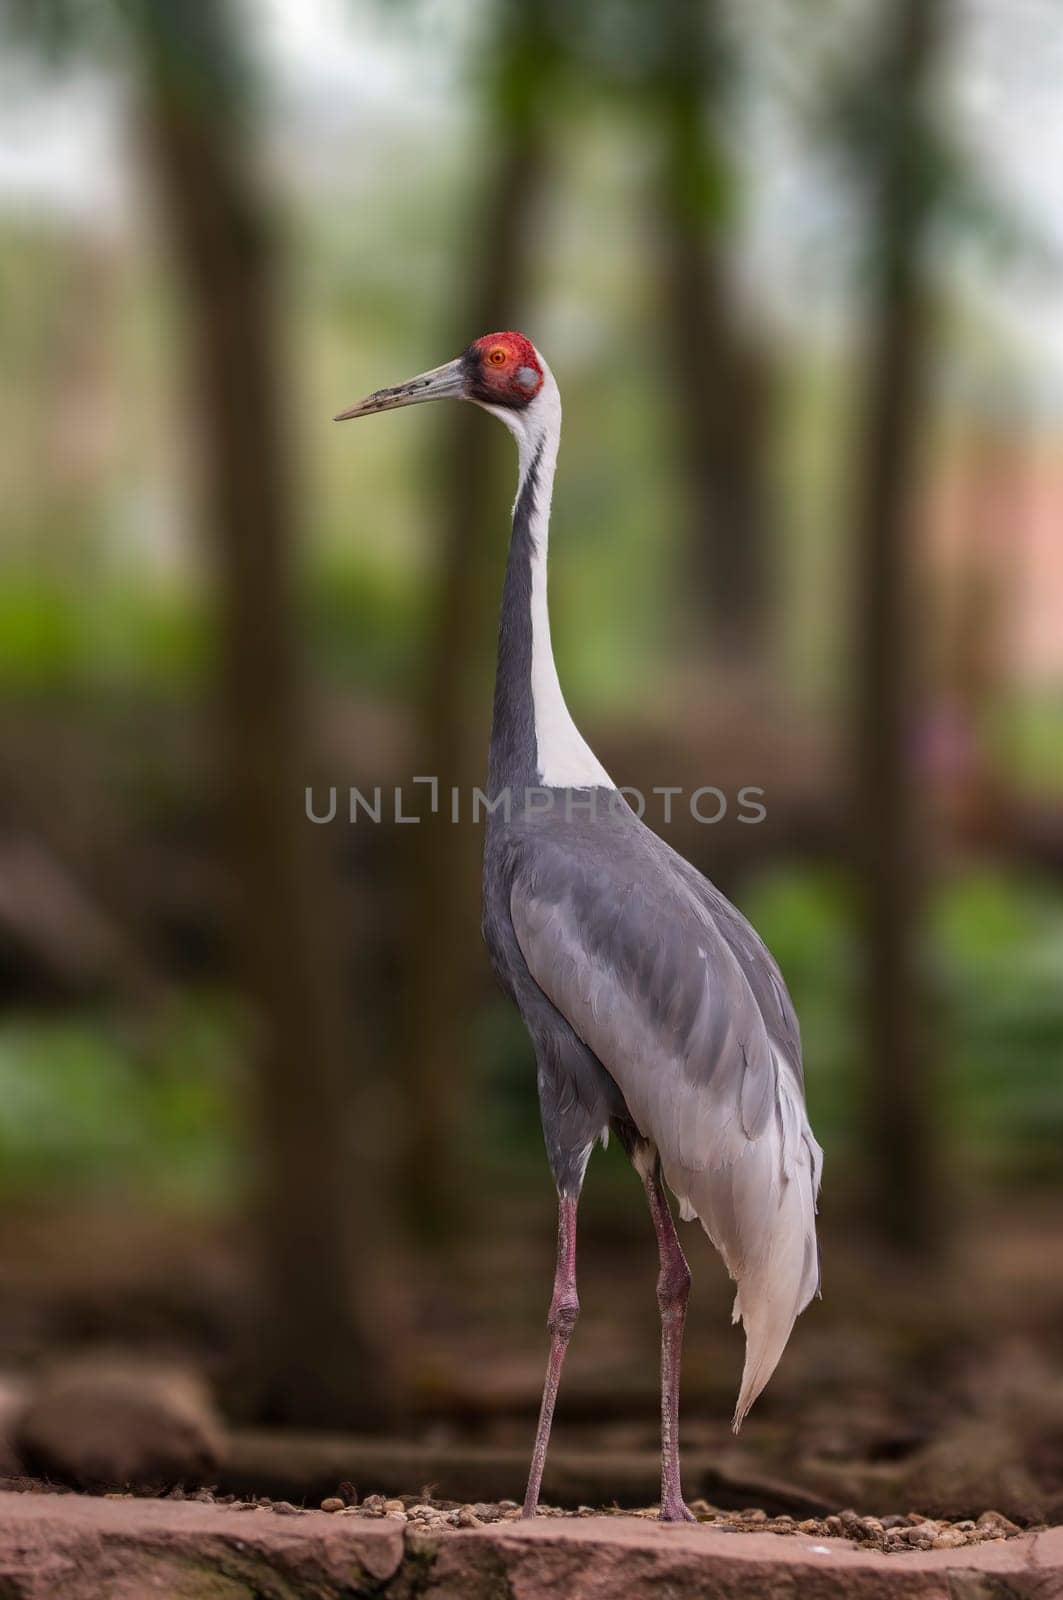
x=797 y=270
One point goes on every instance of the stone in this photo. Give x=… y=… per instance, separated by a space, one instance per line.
x=996 y=1523
x=332 y=1504
x=105 y=1422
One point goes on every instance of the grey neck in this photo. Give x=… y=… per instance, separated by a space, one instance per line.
x=513 y=759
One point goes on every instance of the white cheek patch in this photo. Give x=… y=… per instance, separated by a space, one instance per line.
x=527 y=377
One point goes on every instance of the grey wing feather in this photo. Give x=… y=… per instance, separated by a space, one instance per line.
x=669 y=986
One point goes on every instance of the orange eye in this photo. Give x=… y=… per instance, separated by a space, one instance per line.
x=497 y=357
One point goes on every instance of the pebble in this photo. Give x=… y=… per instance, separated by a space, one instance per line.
x=893 y=1534
x=996 y=1523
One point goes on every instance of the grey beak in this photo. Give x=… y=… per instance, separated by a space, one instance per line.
x=446 y=382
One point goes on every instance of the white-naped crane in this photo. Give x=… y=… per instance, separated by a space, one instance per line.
x=654 y=1008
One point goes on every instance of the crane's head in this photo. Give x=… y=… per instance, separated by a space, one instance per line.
x=502 y=372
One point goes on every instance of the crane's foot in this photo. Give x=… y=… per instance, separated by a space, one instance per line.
x=675 y=1509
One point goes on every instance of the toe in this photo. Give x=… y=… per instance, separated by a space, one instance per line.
x=676 y=1511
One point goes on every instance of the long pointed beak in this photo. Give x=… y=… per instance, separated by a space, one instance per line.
x=440 y=384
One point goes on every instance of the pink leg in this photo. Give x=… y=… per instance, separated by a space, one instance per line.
x=673 y=1291
x=564 y=1309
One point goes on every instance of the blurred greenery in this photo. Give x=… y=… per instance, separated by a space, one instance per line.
x=89 y=1104
x=351 y=226
x=91 y=1108
x=93 y=598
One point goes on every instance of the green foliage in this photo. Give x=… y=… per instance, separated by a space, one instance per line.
x=804 y=918
x=367 y=625
x=93 y=1105
x=996 y=944
x=1024 y=735
x=195 y=48
x=106 y=583
x=1001 y=953
x=56 y=636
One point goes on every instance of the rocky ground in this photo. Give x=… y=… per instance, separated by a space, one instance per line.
x=895 y=1535
x=124 y=1548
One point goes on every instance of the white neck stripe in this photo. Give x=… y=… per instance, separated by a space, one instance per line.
x=564 y=758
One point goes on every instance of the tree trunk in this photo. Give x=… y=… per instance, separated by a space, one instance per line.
x=445 y=956
x=313 y=1343
x=900 y=1101
x=717 y=374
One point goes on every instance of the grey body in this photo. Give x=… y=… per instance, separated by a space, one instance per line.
x=653 y=1006
x=606 y=904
